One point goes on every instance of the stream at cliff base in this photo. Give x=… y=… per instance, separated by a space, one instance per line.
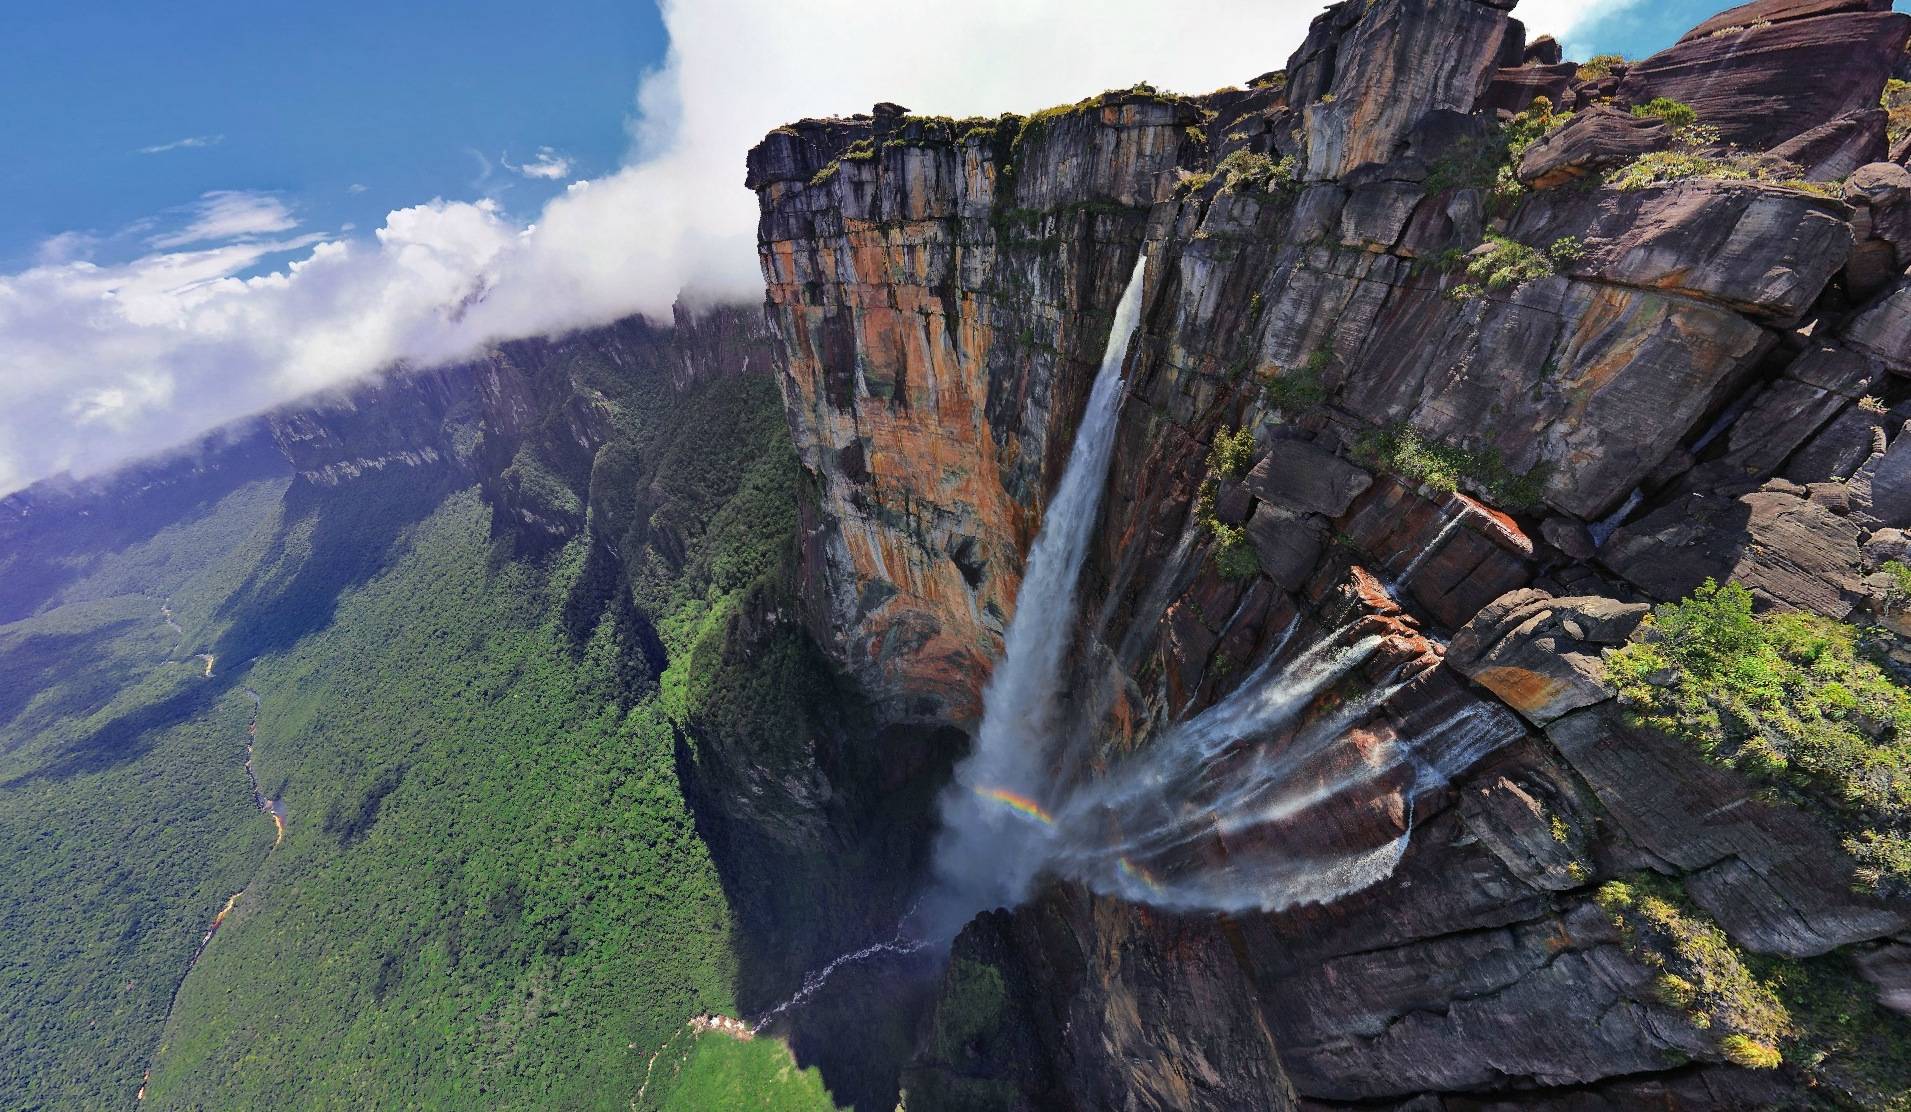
x=273 y=809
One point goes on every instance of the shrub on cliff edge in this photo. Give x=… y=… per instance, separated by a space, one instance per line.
x=1247 y=170
x=1674 y=113
x=1231 y=452
x=1403 y=451
x=1700 y=972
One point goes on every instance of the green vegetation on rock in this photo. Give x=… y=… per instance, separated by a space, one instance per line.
x=1815 y=1017
x=1844 y=1040
x=1228 y=458
x=1403 y=451
x=1700 y=972
x=709 y=1070
x=969 y=1006
x=1697 y=157
x=1487 y=162
x=1037 y=123
x=493 y=891
x=1297 y=387
x=1246 y=170
x=1231 y=452
x=1506 y=264
x=1674 y=113
x=1896 y=102
x=1791 y=700
x=1600 y=65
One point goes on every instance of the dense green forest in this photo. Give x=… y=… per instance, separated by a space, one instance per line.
x=125 y=816
x=492 y=891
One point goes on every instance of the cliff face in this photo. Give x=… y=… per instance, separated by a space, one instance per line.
x=526 y=419
x=1645 y=354
x=663 y=449
x=941 y=320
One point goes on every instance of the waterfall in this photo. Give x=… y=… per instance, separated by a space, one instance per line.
x=1451 y=516
x=1209 y=815
x=987 y=854
x=1602 y=530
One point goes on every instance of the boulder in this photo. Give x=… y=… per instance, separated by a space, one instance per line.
x=1555 y=1002
x=1065 y=1003
x=1376 y=214
x=1594 y=381
x=1288 y=543
x=1597 y=139
x=1791 y=551
x=1297 y=475
x=1763 y=250
x=1449 y=553
x=1880 y=490
x=1778 y=11
x=1540 y=654
x=1879 y=194
x=1568 y=535
x=1883 y=328
x=1512 y=90
x=1815 y=387
x=1888 y=967
x=1370 y=69
x=1831 y=151
x=1533 y=821
x=1769 y=82
x=1839 y=449
x=1771 y=874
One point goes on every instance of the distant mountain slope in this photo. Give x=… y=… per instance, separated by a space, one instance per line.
x=493 y=628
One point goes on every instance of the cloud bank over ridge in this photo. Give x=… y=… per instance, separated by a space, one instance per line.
x=101 y=362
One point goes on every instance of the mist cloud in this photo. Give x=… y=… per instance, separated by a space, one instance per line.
x=230 y=214
x=548 y=165
x=189 y=143
x=100 y=363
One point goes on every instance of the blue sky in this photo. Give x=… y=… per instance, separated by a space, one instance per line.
x=216 y=207
x=305 y=100
x=1641 y=28
x=120 y=112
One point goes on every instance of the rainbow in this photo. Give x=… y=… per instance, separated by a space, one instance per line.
x=1139 y=874
x=1020 y=804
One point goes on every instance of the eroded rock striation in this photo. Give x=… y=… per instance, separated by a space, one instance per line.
x=1510 y=376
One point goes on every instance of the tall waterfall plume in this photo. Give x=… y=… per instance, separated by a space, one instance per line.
x=994 y=819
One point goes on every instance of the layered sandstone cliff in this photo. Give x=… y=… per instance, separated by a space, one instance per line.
x=1645 y=354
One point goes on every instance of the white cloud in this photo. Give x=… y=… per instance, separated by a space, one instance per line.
x=226 y=214
x=548 y=165
x=66 y=247
x=107 y=362
x=1568 y=20
x=356 y=187
x=190 y=142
